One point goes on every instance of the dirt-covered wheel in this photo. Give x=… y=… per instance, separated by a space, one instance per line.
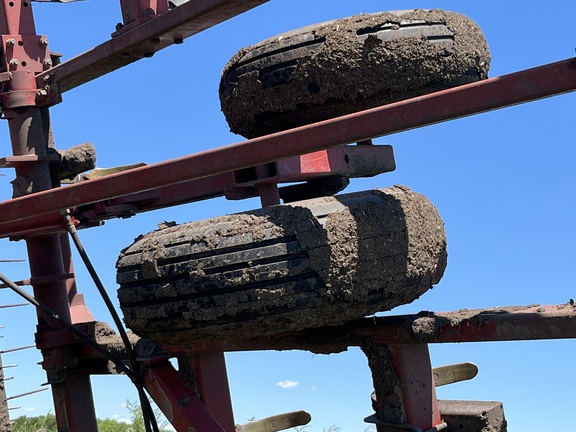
x=338 y=67
x=318 y=262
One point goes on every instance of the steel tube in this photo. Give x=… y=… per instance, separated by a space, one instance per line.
x=144 y=40
x=347 y=161
x=524 y=86
x=414 y=369
x=516 y=323
x=188 y=413
x=212 y=382
x=74 y=406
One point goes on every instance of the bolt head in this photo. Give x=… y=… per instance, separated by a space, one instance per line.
x=44 y=42
x=47 y=63
x=14 y=62
x=11 y=42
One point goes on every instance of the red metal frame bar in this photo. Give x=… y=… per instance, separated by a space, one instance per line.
x=524 y=86
x=414 y=370
x=176 y=400
x=213 y=387
x=346 y=161
x=406 y=336
x=15 y=19
x=24 y=54
x=514 y=323
x=143 y=41
x=482 y=325
x=147 y=32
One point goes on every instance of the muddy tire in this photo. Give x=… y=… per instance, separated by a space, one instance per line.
x=319 y=262
x=339 y=67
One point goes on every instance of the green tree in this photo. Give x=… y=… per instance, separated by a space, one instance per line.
x=46 y=423
x=138 y=418
x=109 y=425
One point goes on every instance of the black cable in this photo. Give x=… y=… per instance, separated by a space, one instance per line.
x=30 y=299
x=147 y=412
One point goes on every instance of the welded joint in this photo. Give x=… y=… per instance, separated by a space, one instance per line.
x=137 y=13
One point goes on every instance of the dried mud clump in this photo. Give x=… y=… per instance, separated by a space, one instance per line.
x=73 y=161
x=318 y=262
x=338 y=67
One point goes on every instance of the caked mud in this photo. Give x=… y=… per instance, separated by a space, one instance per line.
x=313 y=263
x=351 y=64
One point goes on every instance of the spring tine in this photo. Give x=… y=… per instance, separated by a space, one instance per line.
x=13 y=305
x=24 y=282
x=26 y=394
x=17 y=349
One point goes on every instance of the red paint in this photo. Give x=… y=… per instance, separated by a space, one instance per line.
x=414 y=370
x=149 y=28
x=524 y=86
x=177 y=401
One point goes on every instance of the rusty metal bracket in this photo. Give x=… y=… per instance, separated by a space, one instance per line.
x=14 y=161
x=176 y=401
x=135 y=13
x=473 y=415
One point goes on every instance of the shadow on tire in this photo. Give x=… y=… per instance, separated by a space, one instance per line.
x=313 y=263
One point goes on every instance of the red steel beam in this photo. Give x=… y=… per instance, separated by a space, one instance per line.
x=144 y=40
x=512 y=89
x=500 y=324
x=347 y=161
x=414 y=370
x=188 y=413
x=213 y=387
x=514 y=323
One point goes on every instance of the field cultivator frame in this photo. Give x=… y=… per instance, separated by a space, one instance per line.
x=33 y=81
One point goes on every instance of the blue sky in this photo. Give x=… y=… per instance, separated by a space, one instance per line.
x=503 y=183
